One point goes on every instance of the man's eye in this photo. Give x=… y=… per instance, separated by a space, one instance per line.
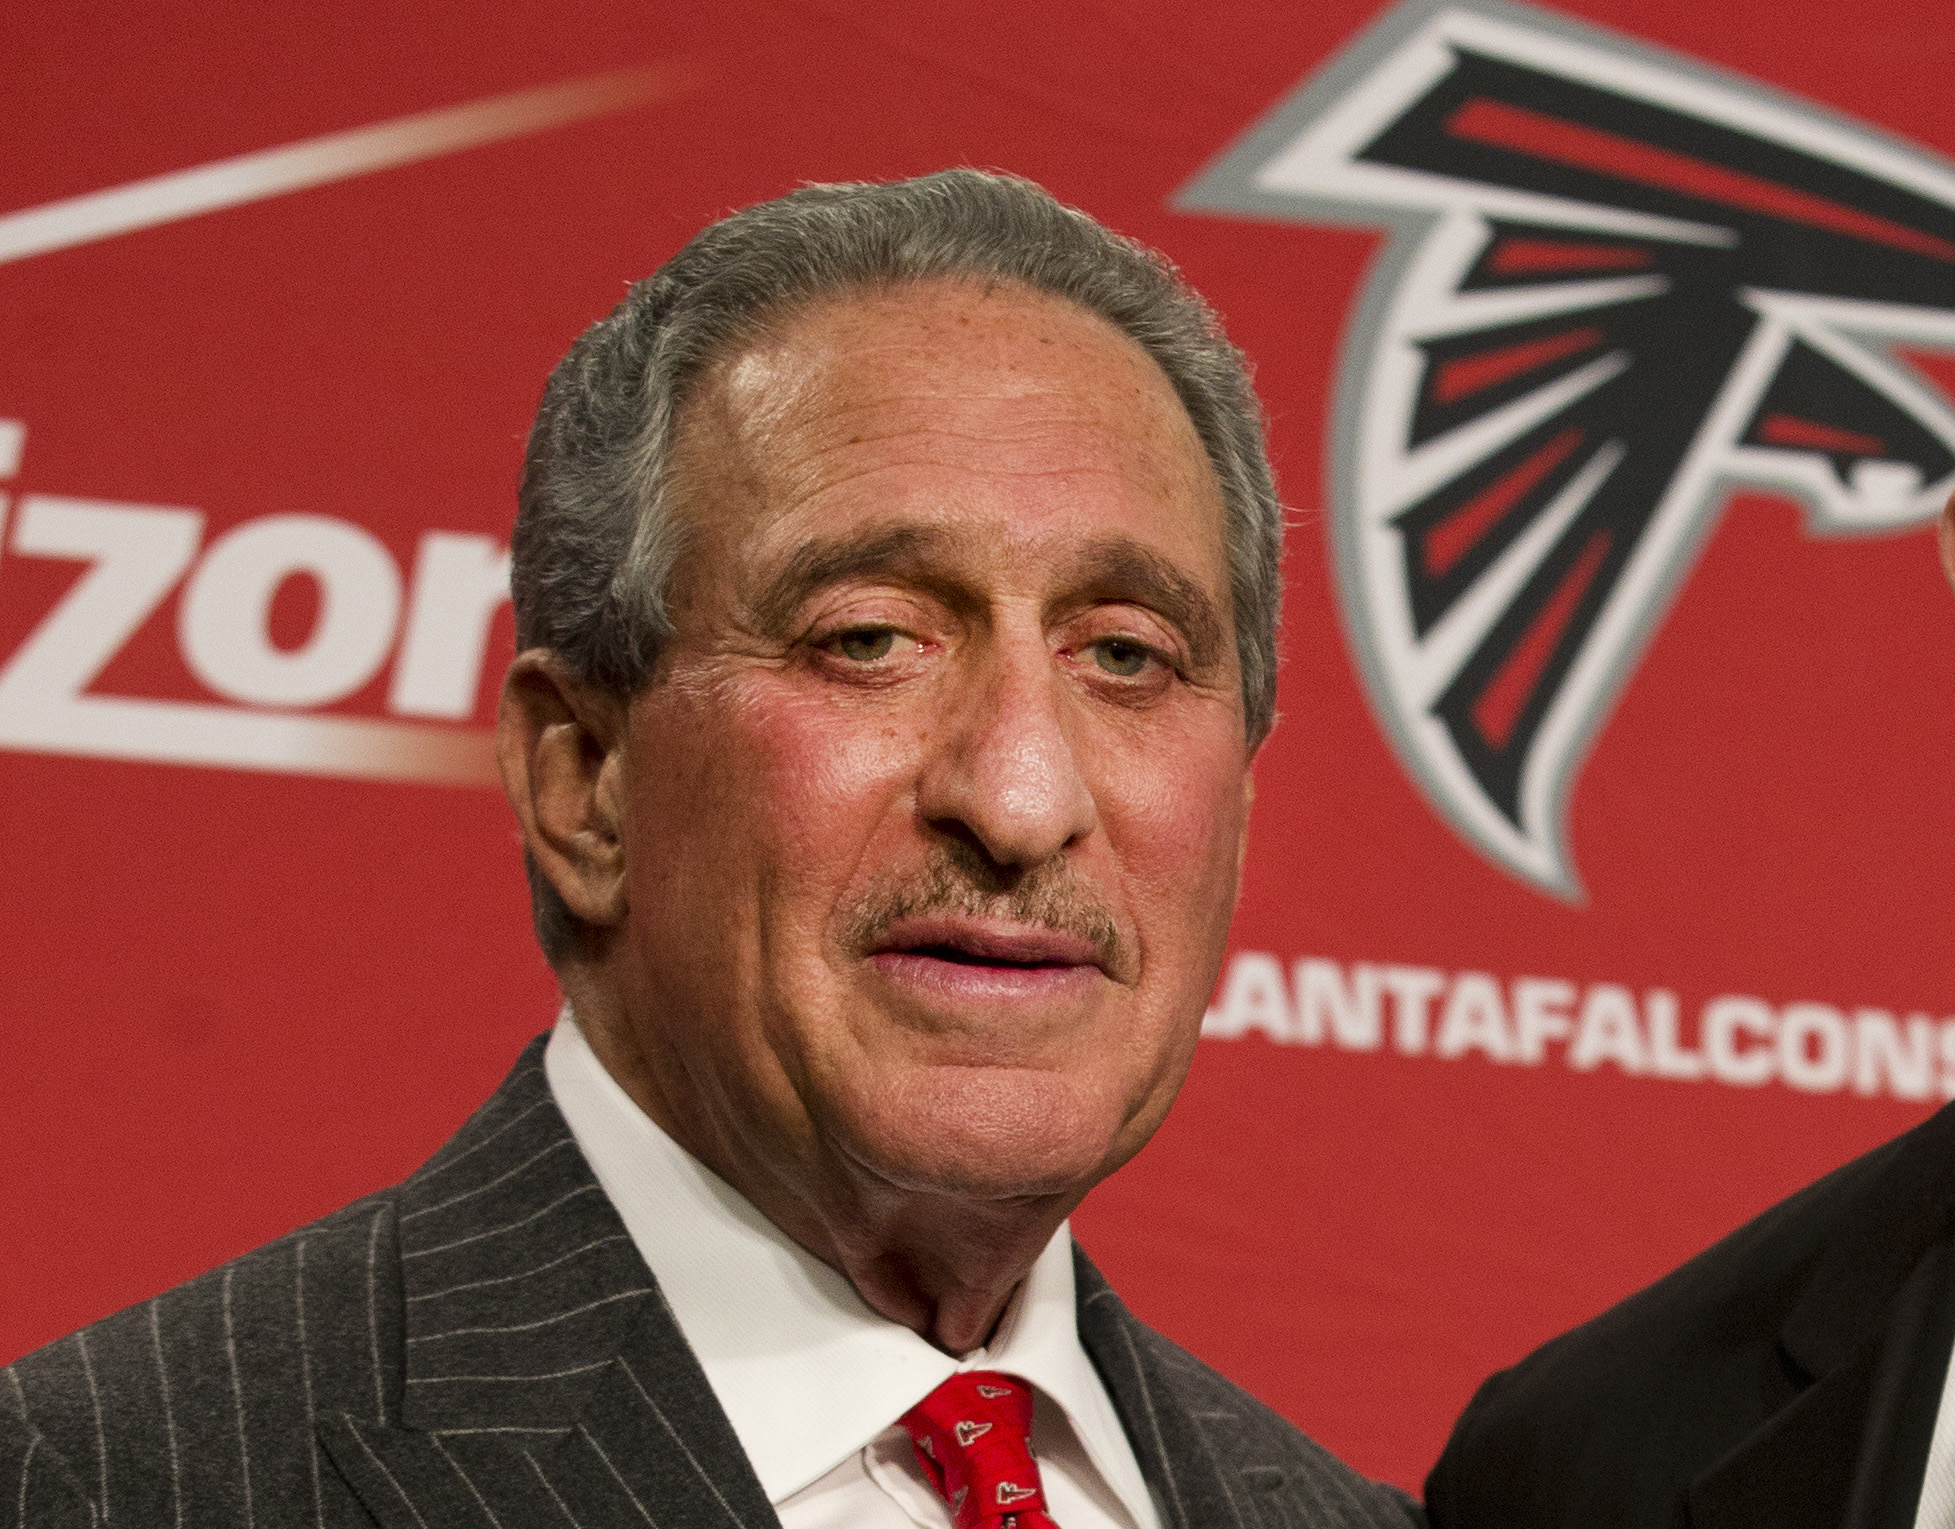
x=1118 y=656
x=866 y=645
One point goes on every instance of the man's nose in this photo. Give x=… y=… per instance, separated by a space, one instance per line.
x=1004 y=772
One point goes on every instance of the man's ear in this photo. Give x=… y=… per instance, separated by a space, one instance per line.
x=1947 y=529
x=560 y=745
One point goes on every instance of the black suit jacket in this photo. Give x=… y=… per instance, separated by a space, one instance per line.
x=1788 y=1377
x=482 y=1346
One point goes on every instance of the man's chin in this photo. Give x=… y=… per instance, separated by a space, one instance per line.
x=984 y=1134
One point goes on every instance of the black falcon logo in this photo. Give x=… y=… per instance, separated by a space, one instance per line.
x=1620 y=285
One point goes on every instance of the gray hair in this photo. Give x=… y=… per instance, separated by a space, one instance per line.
x=595 y=540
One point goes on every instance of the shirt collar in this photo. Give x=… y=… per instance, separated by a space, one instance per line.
x=807 y=1373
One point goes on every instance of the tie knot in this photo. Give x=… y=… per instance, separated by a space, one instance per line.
x=973 y=1438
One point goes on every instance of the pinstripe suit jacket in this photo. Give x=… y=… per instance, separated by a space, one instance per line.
x=482 y=1346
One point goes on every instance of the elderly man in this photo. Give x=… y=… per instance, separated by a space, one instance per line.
x=896 y=578
x=1795 y=1376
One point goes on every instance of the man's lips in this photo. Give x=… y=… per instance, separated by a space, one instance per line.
x=974 y=959
x=979 y=942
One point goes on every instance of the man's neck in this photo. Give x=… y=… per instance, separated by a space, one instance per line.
x=944 y=1266
x=945 y=1269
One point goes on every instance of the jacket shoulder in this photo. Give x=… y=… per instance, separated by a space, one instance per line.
x=168 y=1399
x=1607 y=1423
x=201 y=1405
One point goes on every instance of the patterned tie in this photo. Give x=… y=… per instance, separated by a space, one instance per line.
x=973 y=1438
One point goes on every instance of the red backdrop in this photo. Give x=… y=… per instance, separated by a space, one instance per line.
x=249 y=974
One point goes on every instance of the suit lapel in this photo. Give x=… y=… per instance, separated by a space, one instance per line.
x=544 y=1380
x=1867 y=1344
x=1191 y=1485
x=644 y=1447
x=1908 y=1208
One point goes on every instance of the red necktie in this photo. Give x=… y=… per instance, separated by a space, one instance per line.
x=973 y=1438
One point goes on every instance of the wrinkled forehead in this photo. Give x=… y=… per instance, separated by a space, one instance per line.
x=920 y=384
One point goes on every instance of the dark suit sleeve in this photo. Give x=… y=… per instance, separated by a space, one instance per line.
x=1563 y=1441
x=1446 y=1499
x=37 y=1490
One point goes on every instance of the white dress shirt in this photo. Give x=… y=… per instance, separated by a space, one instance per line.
x=1936 y=1509
x=811 y=1378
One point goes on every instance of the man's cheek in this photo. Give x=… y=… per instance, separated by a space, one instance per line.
x=827 y=776
x=1175 y=807
x=1178 y=869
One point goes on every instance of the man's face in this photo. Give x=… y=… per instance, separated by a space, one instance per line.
x=933 y=812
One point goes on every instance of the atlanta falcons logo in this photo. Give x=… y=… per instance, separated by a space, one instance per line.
x=1618 y=286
